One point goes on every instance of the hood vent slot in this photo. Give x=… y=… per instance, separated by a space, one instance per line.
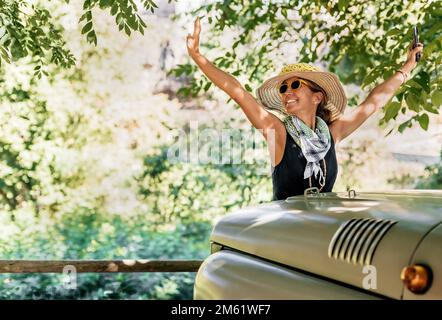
x=356 y=240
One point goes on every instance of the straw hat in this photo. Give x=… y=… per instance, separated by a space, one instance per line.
x=268 y=93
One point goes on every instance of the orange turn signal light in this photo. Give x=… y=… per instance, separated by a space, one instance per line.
x=416 y=278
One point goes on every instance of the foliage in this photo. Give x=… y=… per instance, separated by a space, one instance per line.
x=354 y=156
x=182 y=191
x=29 y=29
x=90 y=234
x=433 y=178
x=361 y=41
x=20 y=158
x=33 y=137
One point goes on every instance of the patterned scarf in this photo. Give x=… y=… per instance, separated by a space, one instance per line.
x=314 y=144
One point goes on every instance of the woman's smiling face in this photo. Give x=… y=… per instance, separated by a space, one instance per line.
x=295 y=99
x=302 y=98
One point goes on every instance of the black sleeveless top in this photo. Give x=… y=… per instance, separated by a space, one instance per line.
x=288 y=175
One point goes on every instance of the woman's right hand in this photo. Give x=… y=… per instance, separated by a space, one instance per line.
x=193 y=41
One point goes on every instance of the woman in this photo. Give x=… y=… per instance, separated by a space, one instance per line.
x=311 y=102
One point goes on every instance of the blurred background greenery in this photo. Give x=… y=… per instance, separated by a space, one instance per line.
x=90 y=108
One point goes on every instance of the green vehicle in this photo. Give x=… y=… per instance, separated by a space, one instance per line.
x=369 y=245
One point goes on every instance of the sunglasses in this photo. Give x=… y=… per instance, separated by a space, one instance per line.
x=295 y=84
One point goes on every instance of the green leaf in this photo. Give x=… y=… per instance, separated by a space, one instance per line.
x=436 y=98
x=5 y=54
x=435 y=28
x=406 y=124
x=83 y=17
x=423 y=80
x=119 y=18
x=370 y=77
x=132 y=22
x=87 y=27
x=185 y=91
x=393 y=32
x=104 y=3
x=127 y=29
x=248 y=88
x=342 y=4
x=140 y=20
x=92 y=37
x=207 y=86
x=114 y=9
x=429 y=107
x=389 y=132
x=412 y=102
x=86 y=4
x=423 y=121
x=392 y=110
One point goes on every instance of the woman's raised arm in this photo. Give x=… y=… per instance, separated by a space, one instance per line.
x=259 y=117
x=377 y=98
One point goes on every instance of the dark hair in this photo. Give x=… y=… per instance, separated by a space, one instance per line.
x=321 y=112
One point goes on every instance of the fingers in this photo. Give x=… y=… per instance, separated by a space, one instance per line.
x=418 y=45
x=190 y=41
x=196 y=31
x=419 y=48
x=193 y=40
x=413 y=51
x=197 y=24
x=197 y=28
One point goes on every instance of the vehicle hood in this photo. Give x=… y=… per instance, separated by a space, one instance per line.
x=336 y=236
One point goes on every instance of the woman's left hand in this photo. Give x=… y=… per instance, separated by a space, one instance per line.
x=411 y=63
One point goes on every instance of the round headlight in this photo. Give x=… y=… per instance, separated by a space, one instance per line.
x=416 y=278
